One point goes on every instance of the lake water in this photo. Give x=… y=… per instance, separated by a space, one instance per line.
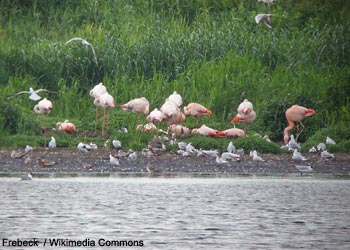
x=176 y=213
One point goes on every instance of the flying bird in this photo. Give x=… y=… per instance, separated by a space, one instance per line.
x=296 y=114
x=33 y=94
x=265 y=18
x=84 y=42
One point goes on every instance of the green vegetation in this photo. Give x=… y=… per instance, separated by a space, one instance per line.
x=211 y=52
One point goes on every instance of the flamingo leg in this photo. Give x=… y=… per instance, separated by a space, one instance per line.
x=302 y=129
x=44 y=131
x=103 y=121
x=96 y=119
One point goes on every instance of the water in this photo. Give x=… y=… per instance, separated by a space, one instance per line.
x=179 y=213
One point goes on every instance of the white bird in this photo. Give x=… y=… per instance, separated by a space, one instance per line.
x=182 y=145
x=133 y=156
x=84 y=42
x=211 y=153
x=28 y=177
x=33 y=94
x=240 y=151
x=83 y=147
x=313 y=150
x=265 y=18
x=297 y=156
x=219 y=160
x=28 y=149
x=230 y=156
x=326 y=155
x=329 y=140
x=321 y=146
x=191 y=149
x=113 y=160
x=304 y=168
x=116 y=143
x=52 y=143
x=292 y=144
x=230 y=147
x=92 y=146
x=256 y=157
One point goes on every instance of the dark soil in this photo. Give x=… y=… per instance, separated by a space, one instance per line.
x=61 y=162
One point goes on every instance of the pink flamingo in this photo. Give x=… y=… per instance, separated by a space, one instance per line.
x=105 y=101
x=234 y=132
x=43 y=107
x=66 y=126
x=296 y=114
x=176 y=98
x=196 y=110
x=245 y=114
x=207 y=131
x=96 y=92
x=138 y=106
x=155 y=117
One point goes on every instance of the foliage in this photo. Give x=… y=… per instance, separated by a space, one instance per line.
x=208 y=51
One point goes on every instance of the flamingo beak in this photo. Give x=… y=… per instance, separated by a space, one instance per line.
x=235 y=119
x=309 y=112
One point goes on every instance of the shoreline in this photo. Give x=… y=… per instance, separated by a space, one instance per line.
x=61 y=162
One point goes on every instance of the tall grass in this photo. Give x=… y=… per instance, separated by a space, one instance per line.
x=209 y=52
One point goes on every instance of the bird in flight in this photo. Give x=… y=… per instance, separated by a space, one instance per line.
x=33 y=94
x=84 y=42
x=265 y=18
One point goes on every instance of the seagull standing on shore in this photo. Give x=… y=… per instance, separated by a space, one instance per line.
x=33 y=94
x=256 y=157
x=84 y=42
x=297 y=156
x=304 y=168
x=52 y=143
x=28 y=177
x=114 y=161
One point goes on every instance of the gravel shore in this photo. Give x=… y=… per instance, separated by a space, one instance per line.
x=60 y=162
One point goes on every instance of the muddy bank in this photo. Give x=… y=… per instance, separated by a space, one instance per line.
x=61 y=162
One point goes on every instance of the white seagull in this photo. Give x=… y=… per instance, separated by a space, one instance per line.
x=33 y=94
x=231 y=148
x=28 y=177
x=329 y=140
x=84 y=42
x=265 y=18
x=113 y=160
x=116 y=144
x=256 y=157
x=297 y=156
x=304 y=168
x=133 y=156
x=52 y=143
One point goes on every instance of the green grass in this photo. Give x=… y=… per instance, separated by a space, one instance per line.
x=208 y=51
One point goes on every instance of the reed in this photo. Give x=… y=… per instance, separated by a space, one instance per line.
x=210 y=53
